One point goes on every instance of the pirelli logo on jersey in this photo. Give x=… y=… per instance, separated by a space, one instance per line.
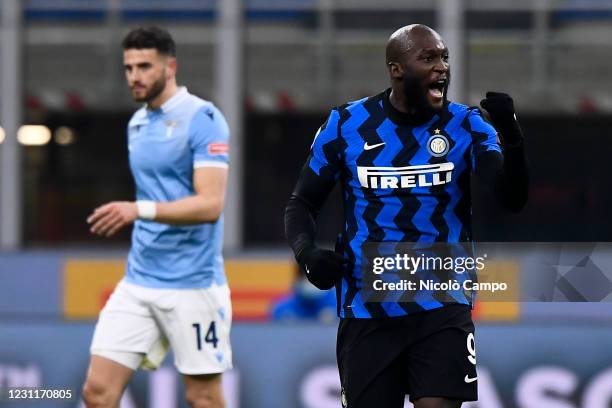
x=405 y=177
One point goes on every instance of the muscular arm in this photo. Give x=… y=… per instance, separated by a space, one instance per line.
x=304 y=205
x=208 y=137
x=323 y=268
x=203 y=206
x=506 y=176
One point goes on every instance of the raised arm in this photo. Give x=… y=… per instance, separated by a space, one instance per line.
x=503 y=172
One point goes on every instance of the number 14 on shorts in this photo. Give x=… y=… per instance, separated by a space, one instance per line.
x=210 y=337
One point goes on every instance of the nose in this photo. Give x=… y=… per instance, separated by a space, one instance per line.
x=442 y=66
x=132 y=75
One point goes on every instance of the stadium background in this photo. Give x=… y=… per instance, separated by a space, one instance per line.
x=275 y=68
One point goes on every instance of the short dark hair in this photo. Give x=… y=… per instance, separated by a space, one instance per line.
x=150 y=37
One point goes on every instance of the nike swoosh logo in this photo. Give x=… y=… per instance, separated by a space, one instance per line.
x=366 y=146
x=469 y=380
x=307 y=271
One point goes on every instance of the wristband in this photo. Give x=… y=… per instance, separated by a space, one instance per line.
x=147 y=210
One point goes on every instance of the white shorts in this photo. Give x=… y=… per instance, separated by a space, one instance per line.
x=138 y=324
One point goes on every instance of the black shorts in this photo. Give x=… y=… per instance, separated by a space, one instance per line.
x=428 y=354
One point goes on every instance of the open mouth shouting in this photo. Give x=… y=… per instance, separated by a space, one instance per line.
x=436 y=90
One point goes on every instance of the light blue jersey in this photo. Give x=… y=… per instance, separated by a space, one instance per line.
x=165 y=145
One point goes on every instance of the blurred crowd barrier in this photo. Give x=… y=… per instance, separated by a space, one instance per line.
x=530 y=354
x=551 y=283
x=60 y=285
x=293 y=365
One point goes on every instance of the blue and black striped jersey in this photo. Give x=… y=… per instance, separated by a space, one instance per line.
x=402 y=182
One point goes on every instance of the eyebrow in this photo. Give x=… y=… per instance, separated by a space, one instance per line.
x=433 y=50
x=137 y=64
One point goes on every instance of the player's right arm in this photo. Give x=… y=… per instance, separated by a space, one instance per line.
x=316 y=180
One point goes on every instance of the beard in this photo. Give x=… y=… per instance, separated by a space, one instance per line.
x=156 y=89
x=448 y=81
x=415 y=95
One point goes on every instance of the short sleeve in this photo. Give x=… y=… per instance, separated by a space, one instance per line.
x=484 y=136
x=209 y=138
x=325 y=152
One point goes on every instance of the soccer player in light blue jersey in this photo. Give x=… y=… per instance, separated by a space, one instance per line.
x=174 y=293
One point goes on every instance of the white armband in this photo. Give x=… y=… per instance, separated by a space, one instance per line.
x=147 y=210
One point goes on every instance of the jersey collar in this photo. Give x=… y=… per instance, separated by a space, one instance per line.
x=180 y=94
x=402 y=117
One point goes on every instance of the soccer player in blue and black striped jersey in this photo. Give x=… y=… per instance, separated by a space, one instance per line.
x=404 y=159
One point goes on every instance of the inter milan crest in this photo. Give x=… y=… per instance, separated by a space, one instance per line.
x=437 y=145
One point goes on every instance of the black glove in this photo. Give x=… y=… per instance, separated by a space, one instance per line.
x=323 y=267
x=500 y=108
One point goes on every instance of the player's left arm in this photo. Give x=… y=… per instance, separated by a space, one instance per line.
x=204 y=206
x=503 y=170
x=208 y=138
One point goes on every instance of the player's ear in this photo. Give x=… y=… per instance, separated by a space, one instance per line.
x=395 y=70
x=172 y=67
